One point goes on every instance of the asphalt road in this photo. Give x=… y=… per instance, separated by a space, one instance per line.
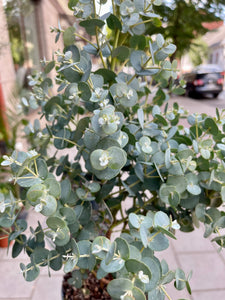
x=206 y=105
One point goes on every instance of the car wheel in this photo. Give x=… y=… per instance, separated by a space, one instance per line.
x=215 y=95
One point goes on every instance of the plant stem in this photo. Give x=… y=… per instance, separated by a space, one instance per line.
x=143 y=22
x=86 y=40
x=165 y=292
x=114 y=47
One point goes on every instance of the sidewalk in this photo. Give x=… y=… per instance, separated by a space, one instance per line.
x=191 y=251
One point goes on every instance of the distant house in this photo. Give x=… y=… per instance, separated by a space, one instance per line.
x=37 y=40
x=215 y=40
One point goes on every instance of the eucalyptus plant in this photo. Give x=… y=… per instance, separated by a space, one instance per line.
x=130 y=163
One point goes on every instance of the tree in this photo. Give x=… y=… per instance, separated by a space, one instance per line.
x=198 y=51
x=15 y=12
x=184 y=21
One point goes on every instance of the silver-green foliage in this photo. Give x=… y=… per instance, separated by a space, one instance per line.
x=122 y=146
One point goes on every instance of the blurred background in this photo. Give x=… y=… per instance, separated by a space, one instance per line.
x=196 y=28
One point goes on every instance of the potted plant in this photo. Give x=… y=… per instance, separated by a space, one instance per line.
x=130 y=163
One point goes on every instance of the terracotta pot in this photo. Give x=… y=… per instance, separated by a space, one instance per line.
x=4 y=240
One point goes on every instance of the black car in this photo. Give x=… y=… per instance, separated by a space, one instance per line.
x=204 y=79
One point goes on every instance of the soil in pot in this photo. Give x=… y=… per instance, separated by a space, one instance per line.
x=92 y=289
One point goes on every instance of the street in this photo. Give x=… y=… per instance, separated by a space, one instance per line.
x=207 y=105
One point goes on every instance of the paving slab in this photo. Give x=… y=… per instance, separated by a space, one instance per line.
x=209 y=295
x=12 y=283
x=48 y=288
x=208 y=270
x=192 y=242
x=175 y=294
x=169 y=256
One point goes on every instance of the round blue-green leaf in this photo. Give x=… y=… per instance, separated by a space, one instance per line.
x=110 y=254
x=160 y=40
x=174 y=199
x=122 y=248
x=55 y=223
x=100 y=247
x=121 y=52
x=200 y=211
x=91 y=139
x=32 y=272
x=134 y=252
x=165 y=191
x=221 y=146
x=64 y=237
x=144 y=235
x=134 y=266
x=106 y=174
x=110 y=128
x=223 y=193
x=65 y=190
x=134 y=220
x=91 y=49
x=18 y=246
x=96 y=157
x=97 y=80
x=42 y=168
x=124 y=94
x=118 y=287
x=91 y=24
x=194 y=189
x=69 y=36
x=75 y=52
x=118 y=157
x=114 y=266
x=56 y=263
x=205 y=153
x=68 y=214
x=108 y=75
x=28 y=180
x=35 y=192
x=89 y=261
x=94 y=187
x=50 y=207
x=180 y=282
x=158 y=242
x=71 y=75
x=85 y=92
x=101 y=274
x=70 y=265
x=211 y=125
x=113 y=22
x=156 y=294
x=84 y=195
x=40 y=256
x=138 y=59
x=49 y=67
x=137 y=294
x=138 y=29
x=61 y=138
x=180 y=182
x=161 y=219
x=138 y=41
x=21 y=226
x=72 y=4
x=155 y=271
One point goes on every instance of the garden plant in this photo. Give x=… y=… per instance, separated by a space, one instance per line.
x=131 y=174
